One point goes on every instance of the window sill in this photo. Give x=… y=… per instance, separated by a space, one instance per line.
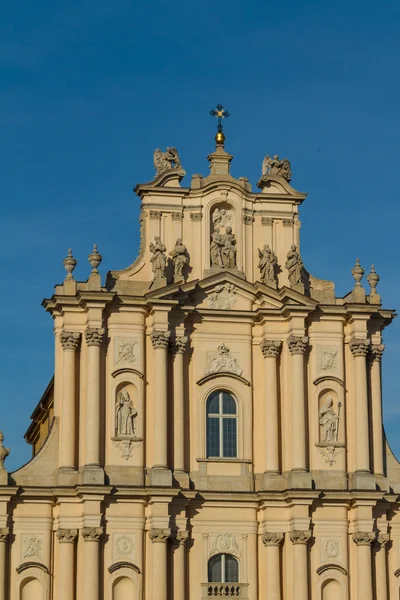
x=224 y=460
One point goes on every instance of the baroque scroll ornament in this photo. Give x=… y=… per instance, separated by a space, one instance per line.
x=222 y=361
x=225 y=543
x=223 y=297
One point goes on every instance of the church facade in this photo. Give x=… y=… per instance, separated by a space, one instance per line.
x=214 y=424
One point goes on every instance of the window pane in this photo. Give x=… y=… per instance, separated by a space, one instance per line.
x=228 y=404
x=214 y=569
x=229 y=439
x=213 y=404
x=212 y=436
x=231 y=569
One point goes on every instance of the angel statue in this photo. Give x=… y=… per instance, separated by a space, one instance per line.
x=179 y=259
x=163 y=161
x=267 y=266
x=158 y=260
x=275 y=166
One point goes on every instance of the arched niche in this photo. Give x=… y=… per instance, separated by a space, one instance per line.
x=125 y=418
x=222 y=233
x=329 y=420
x=123 y=588
x=33 y=584
x=125 y=582
x=333 y=583
x=331 y=590
x=330 y=416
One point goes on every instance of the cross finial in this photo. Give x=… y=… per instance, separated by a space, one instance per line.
x=220 y=113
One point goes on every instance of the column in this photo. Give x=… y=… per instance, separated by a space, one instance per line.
x=376 y=407
x=271 y=350
x=66 y=565
x=300 y=541
x=180 y=565
x=160 y=340
x=297 y=347
x=360 y=348
x=91 y=562
x=381 y=579
x=272 y=542
x=179 y=404
x=94 y=339
x=70 y=341
x=364 y=565
x=4 y=534
x=159 y=537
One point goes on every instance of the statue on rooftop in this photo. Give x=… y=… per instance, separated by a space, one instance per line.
x=267 y=265
x=179 y=259
x=158 y=260
x=294 y=265
x=275 y=166
x=163 y=161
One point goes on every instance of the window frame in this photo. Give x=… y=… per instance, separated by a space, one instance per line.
x=223 y=556
x=221 y=416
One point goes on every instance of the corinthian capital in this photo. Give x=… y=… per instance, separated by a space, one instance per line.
x=94 y=337
x=159 y=535
x=271 y=348
x=160 y=339
x=300 y=537
x=272 y=539
x=362 y=538
x=70 y=340
x=297 y=344
x=359 y=347
x=382 y=540
x=4 y=533
x=180 y=344
x=67 y=535
x=182 y=536
x=92 y=534
x=376 y=351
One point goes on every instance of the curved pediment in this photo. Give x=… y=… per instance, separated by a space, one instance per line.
x=210 y=376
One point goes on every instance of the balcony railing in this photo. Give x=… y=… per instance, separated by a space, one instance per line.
x=230 y=590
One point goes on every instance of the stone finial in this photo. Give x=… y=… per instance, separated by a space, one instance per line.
x=272 y=538
x=95 y=259
x=373 y=280
x=69 y=263
x=357 y=272
x=4 y=452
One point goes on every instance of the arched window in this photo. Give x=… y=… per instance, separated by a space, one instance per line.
x=223 y=568
x=221 y=425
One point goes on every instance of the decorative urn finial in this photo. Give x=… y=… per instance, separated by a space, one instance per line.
x=357 y=272
x=95 y=259
x=4 y=452
x=69 y=264
x=373 y=279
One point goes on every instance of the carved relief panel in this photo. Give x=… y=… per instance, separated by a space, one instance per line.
x=128 y=353
x=123 y=546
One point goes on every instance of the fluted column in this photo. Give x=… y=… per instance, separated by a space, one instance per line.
x=272 y=542
x=271 y=350
x=66 y=567
x=359 y=348
x=94 y=339
x=180 y=564
x=4 y=535
x=300 y=541
x=70 y=341
x=381 y=578
x=376 y=407
x=364 y=565
x=297 y=347
x=91 y=562
x=160 y=340
x=180 y=344
x=159 y=537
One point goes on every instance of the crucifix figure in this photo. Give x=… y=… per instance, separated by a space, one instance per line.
x=220 y=113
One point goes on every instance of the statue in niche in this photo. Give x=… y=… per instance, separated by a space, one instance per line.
x=217 y=243
x=222 y=218
x=275 y=166
x=329 y=421
x=158 y=260
x=125 y=415
x=179 y=259
x=229 y=249
x=294 y=265
x=163 y=161
x=267 y=265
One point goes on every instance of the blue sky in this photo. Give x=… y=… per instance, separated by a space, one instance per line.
x=89 y=89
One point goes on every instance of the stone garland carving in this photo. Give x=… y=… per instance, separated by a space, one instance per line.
x=70 y=340
x=94 y=337
x=272 y=538
x=294 y=265
x=225 y=543
x=271 y=348
x=363 y=538
x=67 y=535
x=223 y=297
x=180 y=344
x=359 y=347
x=297 y=344
x=126 y=351
x=4 y=452
x=160 y=339
x=164 y=161
x=327 y=358
x=300 y=537
x=159 y=535
x=92 y=534
x=123 y=546
x=376 y=351
x=4 y=533
x=267 y=265
x=275 y=166
x=32 y=546
x=222 y=361
x=223 y=249
x=180 y=259
x=158 y=262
